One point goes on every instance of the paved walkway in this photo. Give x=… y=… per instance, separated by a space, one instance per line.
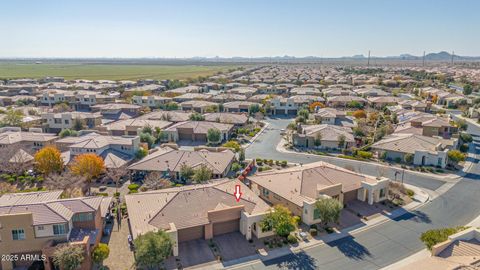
x=120 y=255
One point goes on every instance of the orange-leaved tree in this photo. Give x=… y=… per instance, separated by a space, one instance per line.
x=359 y=114
x=48 y=160
x=88 y=165
x=315 y=104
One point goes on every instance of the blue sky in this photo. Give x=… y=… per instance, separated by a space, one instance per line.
x=186 y=28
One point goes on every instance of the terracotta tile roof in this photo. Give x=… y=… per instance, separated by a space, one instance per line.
x=200 y=127
x=300 y=183
x=409 y=143
x=47 y=207
x=170 y=159
x=187 y=206
x=227 y=118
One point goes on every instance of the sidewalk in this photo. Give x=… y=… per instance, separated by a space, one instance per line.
x=420 y=198
x=443 y=177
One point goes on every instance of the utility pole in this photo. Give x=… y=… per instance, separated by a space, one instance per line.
x=368 y=61
x=423 y=59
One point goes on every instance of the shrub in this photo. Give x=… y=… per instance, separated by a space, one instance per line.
x=455 y=156
x=133 y=187
x=292 y=239
x=259 y=161
x=141 y=153
x=432 y=237
x=467 y=138
x=410 y=192
x=236 y=167
x=364 y=154
x=284 y=163
x=464 y=148
x=100 y=253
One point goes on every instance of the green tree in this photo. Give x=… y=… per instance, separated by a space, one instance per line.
x=186 y=172
x=355 y=104
x=328 y=209
x=69 y=257
x=456 y=156
x=78 y=124
x=147 y=138
x=214 y=135
x=196 y=117
x=253 y=109
x=68 y=133
x=341 y=141
x=303 y=113
x=171 y=106
x=318 y=140
x=408 y=158
x=152 y=248
x=141 y=153
x=467 y=89
x=236 y=167
x=280 y=220
x=241 y=155
x=100 y=253
x=461 y=124
x=13 y=118
x=202 y=174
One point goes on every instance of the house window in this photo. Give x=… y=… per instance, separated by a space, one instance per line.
x=59 y=229
x=40 y=228
x=316 y=214
x=265 y=192
x=382 y=193
x=83 y=217
x=439 y=162
x=18 y=234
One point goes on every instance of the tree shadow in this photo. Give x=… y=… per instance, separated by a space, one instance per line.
x=416 y=215
x=300 y=261
x=351 y=248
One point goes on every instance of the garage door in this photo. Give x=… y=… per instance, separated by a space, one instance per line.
x=349 y=196
x=279 y=111
x=184 y=134
x=226 y=227
x=191 y=233
x=201 y=137
x=292 y=112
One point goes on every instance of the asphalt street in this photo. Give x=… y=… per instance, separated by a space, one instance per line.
x=266 y=143
x=384 y=244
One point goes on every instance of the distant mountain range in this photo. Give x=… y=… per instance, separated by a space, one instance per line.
x=442 y=56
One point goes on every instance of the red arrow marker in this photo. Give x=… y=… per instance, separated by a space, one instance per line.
x=237 y=193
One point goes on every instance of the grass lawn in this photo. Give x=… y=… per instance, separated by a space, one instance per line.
x=107 y=71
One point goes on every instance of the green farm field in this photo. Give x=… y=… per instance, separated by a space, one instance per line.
x=12 y=70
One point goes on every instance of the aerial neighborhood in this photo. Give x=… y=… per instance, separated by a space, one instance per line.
x=212 y=170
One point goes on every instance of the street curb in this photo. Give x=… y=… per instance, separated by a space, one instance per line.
x=281 y=149
x=254 y=138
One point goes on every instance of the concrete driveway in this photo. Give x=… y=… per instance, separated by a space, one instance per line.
x=234 y=246
x=194 y=252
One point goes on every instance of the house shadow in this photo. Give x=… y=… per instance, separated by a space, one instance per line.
x=416 y=215
x=350 y=248
x=298 y=261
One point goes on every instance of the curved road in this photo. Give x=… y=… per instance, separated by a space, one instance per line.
x=387 y=243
